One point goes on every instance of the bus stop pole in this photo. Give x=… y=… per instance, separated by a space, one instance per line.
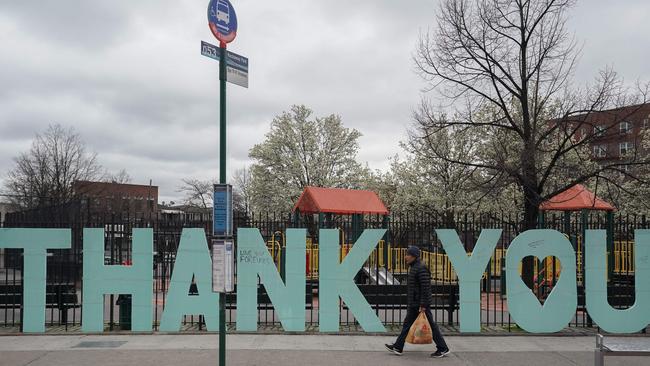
x=222 y=180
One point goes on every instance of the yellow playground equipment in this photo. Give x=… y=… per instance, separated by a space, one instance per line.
x=391 y=257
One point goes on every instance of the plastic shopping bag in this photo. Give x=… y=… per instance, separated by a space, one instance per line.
x=420 y=332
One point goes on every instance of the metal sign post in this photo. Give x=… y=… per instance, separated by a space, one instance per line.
x=222 y=21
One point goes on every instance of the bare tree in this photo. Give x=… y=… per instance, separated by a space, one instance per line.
x=43 y=176
x=198 y=193
x=506 y=67
x=121 y=177
x=242 y=190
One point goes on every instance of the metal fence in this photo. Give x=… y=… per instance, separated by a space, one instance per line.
x=382 y=280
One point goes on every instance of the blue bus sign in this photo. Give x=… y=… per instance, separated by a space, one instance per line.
x=222 y=20
x=222 y=211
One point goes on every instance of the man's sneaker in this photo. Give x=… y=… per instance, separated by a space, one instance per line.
x=392 y=348
x=440 y=353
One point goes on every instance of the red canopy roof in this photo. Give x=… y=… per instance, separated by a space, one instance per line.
x=339 y=201
x=574 y=199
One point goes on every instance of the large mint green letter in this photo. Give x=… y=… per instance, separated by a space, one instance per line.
x=100 y=279
x=192 y=259
x=35 y=243
x=253 y=259
x=469 y=271
x=611 y=320
x=337 y=279
x=560 y=306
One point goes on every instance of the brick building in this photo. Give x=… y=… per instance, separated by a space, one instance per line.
x=116 y=197
x=616 y=132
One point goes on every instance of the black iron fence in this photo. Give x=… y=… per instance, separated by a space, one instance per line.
x=382 y=280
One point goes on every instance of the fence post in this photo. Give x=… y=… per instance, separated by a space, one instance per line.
x=610 y=246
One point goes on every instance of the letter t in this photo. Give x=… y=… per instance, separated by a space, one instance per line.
x=35 y=243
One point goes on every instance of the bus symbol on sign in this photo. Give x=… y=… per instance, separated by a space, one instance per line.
x=223 y=12
x=222 y=20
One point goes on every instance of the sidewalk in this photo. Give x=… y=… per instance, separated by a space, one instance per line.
x=312 y=350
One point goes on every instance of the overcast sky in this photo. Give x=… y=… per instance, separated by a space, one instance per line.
x=129 y=77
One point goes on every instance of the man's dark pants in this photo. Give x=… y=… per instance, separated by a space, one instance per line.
x=411 y=315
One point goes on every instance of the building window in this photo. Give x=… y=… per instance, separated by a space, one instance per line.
x=646 y=122
x=624 y=128
x=600 y=151
x=599 y=131
x=625 y=148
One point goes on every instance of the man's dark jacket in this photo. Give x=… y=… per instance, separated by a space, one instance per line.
x=419 y=285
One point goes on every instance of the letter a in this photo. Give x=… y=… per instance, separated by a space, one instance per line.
x=192 y=259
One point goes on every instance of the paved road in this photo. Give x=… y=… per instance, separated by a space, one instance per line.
x=312 y=350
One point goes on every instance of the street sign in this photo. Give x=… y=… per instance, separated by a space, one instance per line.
x=222 y=20
x=210 y=50
x=236 y=65
x=222 y=215
x=237 y=69
x=222 y=266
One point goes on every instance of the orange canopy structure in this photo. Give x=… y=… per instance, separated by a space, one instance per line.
x=339 y=201
x=576 y=198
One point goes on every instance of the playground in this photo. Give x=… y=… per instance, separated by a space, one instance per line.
x=381 y=280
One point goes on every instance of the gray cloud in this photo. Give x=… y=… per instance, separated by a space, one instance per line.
x=129 y=77
x=78 y=23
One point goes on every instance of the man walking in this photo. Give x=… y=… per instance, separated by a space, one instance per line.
x=419 y=300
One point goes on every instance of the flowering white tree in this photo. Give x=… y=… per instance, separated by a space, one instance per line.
x=300 y=151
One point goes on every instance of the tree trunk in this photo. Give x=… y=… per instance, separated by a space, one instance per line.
x=531 y=210
x=531 y=214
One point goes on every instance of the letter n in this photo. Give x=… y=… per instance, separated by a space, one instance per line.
x=287 y=299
